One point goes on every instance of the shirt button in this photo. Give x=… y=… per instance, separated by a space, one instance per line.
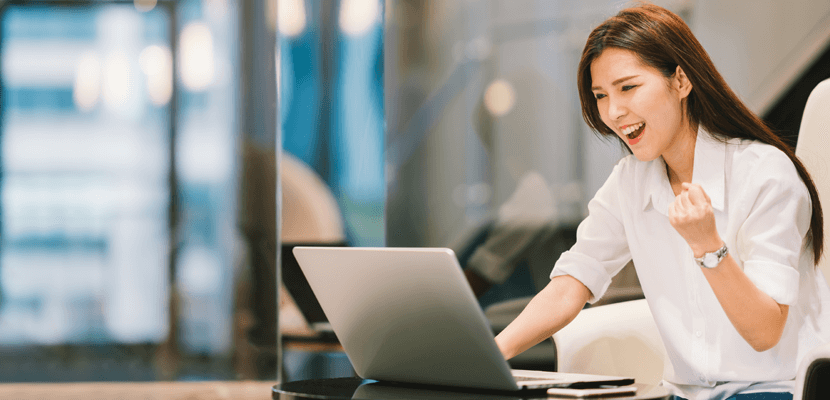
x=698 y=333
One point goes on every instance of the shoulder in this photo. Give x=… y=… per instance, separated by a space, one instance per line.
x=632 y=179
x=627 y=173
x=759 y=164
x=626 y=163
x=755 y=154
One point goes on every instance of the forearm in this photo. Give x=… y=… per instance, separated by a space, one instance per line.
x=755 y=315
x=549 y=311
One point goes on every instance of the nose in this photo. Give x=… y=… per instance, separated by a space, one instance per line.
x=616 y=108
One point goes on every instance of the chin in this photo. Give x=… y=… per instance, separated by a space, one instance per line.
x=645 y=156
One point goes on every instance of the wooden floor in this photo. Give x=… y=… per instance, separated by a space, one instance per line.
x=244 y=390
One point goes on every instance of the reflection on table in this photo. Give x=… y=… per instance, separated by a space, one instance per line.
x=365 y=389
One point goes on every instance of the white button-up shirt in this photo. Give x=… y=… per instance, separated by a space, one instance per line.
x=762 y=209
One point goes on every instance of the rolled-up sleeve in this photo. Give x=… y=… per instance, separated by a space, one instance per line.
x=771 y=240
x=601 y=248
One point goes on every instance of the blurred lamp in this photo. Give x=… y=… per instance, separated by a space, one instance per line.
x=291 y=18
x=499 y=98
x=157 y=63
x=197 y=63
x=358 y=16
x=87 y=86
x=144 y=5
x=118 y=82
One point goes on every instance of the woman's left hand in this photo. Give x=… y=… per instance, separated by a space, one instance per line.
x=692 y=217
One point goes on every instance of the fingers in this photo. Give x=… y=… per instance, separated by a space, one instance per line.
x=680 y=206
x=692 y=216
x=684 y=200
x=691 y=204
x=695 y=193
x=672 y=211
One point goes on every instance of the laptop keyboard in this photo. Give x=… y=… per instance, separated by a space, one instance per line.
x=526 y=378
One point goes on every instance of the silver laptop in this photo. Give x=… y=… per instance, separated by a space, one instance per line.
x=408 y=315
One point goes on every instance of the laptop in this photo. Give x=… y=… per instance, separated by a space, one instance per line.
x=297 y=285
x=408 y=315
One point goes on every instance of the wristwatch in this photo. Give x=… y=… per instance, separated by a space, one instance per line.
x=711 y=260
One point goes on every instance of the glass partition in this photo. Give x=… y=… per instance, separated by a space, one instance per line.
x=118 y=189
x=85 y=138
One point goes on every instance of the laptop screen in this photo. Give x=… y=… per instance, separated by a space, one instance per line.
x=297 y=284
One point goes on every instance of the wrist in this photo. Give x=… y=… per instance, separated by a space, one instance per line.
x=712 y=259
x=709 y=247
x=507 y=352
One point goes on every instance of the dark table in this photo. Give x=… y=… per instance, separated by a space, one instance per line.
x=357 y=388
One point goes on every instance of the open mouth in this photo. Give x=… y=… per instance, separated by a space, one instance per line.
x=633 y=132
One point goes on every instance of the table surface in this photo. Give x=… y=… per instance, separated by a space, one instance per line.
x=356 y=388
x=216 y=390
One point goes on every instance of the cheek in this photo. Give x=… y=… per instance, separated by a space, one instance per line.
x=663 y=110
x=667 y=117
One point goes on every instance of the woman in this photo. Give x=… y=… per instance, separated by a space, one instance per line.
x=722 y=221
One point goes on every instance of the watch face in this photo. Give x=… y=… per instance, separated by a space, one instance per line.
x=710 y=260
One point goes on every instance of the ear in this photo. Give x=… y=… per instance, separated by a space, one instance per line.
x=681 y=83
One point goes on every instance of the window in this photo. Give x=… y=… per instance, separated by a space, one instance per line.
x=91 y=111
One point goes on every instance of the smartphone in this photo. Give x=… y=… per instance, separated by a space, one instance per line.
x=593 y=392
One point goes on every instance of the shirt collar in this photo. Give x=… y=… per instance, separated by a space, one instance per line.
x=708 y=172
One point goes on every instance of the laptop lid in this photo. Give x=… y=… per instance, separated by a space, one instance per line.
x=297 y=285
x=409 y=315
x=406 y=315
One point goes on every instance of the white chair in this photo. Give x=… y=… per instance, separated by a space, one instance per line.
x=310 y=213
x=310 y=217
x=614 y=339
x=813 y=378
x=813 y=149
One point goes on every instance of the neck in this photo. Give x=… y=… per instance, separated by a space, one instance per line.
x=680 y=158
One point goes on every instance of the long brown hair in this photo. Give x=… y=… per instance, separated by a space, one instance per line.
x=663 y=41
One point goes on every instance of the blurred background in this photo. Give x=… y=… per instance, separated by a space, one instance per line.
x=142 y=145
x=119 y=186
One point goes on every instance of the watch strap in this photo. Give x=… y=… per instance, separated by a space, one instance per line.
x=713 y=259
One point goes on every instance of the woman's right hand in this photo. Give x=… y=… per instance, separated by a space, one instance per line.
x=692 y=217
x=549 y=311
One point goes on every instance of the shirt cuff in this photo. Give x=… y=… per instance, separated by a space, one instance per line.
x=584 y=269
x=777 y=280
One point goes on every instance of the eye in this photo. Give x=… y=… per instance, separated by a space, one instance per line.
x=628 y=87
x=599 y=95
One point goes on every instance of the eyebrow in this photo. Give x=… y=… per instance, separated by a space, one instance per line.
x=617 y=82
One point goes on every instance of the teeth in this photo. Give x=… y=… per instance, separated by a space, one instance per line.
x=629 y=130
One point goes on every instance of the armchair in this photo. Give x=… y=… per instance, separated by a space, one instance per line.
x=813 y=378
x=613 y=339
x=814 y=152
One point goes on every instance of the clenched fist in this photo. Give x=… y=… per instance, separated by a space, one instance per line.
x=692 y=217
